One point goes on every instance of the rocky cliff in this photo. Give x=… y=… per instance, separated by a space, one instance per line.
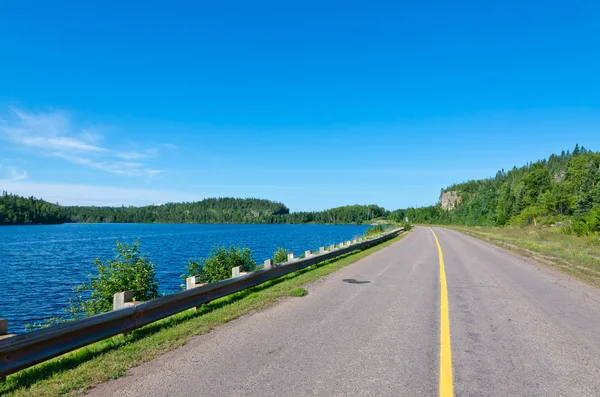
x=450 y=200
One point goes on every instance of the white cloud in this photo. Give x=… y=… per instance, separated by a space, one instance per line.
x=46 y=131
x=12 y=174
x=125 y=168
x=53 y=134
x=75 y=194
x=18 y=175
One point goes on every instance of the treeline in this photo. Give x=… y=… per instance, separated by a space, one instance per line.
x=16 y=210
x=561 y=190
x=346 y=214
x=212 y=210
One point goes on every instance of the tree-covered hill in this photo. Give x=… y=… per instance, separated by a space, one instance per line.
x=563 y=189
x=15 y=210
x=212 y=210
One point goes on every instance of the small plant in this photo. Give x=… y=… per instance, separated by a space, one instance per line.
x=374 y=231
x=195 y=267
x=281 y=255
x=218 y=265
x=298 y=292
x=129 y=270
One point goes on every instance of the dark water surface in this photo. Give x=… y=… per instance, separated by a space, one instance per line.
x=39 y=265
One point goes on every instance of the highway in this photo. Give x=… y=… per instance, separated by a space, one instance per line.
x=383 y=327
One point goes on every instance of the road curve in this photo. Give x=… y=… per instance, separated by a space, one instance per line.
x=516 y=329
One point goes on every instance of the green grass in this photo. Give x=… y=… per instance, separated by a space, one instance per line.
x=298 y=292
x=73 y=373
x=576 y=256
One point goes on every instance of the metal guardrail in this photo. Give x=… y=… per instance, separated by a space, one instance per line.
x=25 y=350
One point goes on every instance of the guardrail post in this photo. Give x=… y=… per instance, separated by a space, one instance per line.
x=322 y=250
x=268 y=264
x=4 y=334
x=307 y=253
x=348 y=243
x=290 y=257
x=121 y=298
x=354 y=241
x=193 y=282
x=341 y=245
x=331 y=247
x=238 y=271
x=3 y=326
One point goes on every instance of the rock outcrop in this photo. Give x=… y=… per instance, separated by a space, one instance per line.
x=450 y=200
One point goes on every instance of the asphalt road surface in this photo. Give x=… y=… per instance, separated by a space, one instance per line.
x=516 y=329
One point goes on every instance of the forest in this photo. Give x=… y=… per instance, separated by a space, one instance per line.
x=16 y=210
x=563 y=191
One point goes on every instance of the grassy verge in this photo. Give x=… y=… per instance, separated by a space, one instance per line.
x=75 y=372
x=576 y=256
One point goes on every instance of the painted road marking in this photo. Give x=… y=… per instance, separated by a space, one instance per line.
x=446 y=387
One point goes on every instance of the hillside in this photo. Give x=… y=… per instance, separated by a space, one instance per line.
x=16 y=210
x=561 y=190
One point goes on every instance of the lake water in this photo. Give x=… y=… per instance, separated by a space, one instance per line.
x=39 y=265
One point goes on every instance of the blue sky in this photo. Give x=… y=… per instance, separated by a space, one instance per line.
x=312 y=104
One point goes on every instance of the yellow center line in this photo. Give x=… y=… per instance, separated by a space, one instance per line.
x=446 y=387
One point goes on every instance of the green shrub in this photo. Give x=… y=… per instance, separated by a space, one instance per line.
x=280 y=255
x=586 y=224
x=592 y=219
x=526 y=217
x=129 y=270
x=218 y=265
x=374 y=231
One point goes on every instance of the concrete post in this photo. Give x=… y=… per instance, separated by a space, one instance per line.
x=268 y=264
x=307 y=253
x=331 y=247
x=121 y=298
x=354 y=241
x=348 y=243
x=322 y=250
x=236 y=271
x=290 y=257
x=190 y=282
x=193 y=282
x=341 y=245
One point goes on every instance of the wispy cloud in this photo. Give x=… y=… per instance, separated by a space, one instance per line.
x=135 y=155
x=12 y=174
x=54 y=134
x=18 y=175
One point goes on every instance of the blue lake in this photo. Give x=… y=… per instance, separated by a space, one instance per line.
x=40 y=265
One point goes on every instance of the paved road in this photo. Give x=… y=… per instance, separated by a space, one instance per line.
x=517 y=329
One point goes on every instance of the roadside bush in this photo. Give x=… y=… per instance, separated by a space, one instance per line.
x=129 y=270
x=526 y=217
x=585 y=225
x=218 y=265
x=280 y=255
x=374 y=231
x=406 y=225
